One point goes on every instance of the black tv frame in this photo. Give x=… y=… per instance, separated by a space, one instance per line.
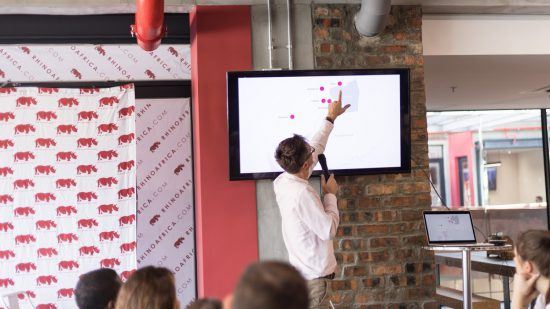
x=233 y=119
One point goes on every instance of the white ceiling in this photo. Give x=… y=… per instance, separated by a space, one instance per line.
x=486 y=82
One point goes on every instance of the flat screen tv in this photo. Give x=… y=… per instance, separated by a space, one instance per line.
x=371 y=137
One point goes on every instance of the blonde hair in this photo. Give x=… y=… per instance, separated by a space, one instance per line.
x=148 y=288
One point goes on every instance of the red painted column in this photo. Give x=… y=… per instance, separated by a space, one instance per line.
x=226 y=222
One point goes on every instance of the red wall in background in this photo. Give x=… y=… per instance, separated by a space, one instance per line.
x=227 y=237
x=460 y=145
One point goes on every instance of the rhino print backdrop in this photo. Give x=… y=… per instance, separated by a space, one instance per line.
x=67 y=189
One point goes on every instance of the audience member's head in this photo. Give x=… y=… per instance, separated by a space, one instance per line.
x=205 y=303
x=149 y=287
x=97 y=289
x=533 y=253
x=271 y=285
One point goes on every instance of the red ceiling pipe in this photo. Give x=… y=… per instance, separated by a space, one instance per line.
x=149 y=28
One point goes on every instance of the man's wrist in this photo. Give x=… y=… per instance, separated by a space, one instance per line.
x=330 y=119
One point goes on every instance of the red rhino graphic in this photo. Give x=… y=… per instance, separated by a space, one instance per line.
x=65 y=183
x=44 y=197
x=87 y=223
x=178 y=242
x=107 y=208
x=126 y=111
x=106 y=182
x=6 y=282
x=6 y=226
x=108 y=101
x=7 y=90
x=88 y=250
x=126 y=274
x=46 y=252
x=5 y=198
x=29 y=294
x=25 y=101
x=48 y=280
x=126 y=86
x=4 y=171
x=67 y=265
x=110 y=235
x=65 y=210
x=150 y=74
x=26 y=50
x=129 y=192
x=100 y=50
x=23 y=211
x=6 y=143
x=45 y=306
x=44 y=142
x=45 y=115
x=76 y=73
x=48 y=90
x=125 y=220
x=23 y=184
x=125 y=166
x=106 y=155
x=66 y=129
x=128 y=247
x=65 y=156
x=106 y=128
x=6 y=116
x=6 y=254
x=66 y=238
x=67 y=102
x=89 y=90
x=45 y=224
x=126 y=139
x=23 y=156
x=87 y=115
x=178 y=169
x=173 y=51
x=86 y=196
x=25 y=267
x=24 y=129
x=43 y=170
x=24 y=239
x=154 y=220
x=86 y=142
x=109 y=263
x=86 y=169
x=65 y=293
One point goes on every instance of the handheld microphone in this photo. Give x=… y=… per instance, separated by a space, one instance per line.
x=323 y=162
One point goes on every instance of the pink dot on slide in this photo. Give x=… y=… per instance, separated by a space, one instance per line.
x=322 y=88
x=339 y=83
x=291 y=116
x=329 y=100
x=323 y=100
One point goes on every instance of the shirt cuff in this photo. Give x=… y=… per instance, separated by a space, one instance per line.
x=329 y=201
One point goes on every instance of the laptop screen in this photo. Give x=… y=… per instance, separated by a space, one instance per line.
x=449 y=227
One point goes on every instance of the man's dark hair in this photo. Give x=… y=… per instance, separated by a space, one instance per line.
x=205 y=303
x=97 y=288
x=271 y=285
x=292 y=153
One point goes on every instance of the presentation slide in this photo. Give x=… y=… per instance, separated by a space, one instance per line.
x=449 y=227
x=367 y=135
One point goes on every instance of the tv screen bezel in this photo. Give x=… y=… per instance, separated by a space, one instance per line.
x=233 y=119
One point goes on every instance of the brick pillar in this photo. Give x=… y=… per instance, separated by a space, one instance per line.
x=378 y=244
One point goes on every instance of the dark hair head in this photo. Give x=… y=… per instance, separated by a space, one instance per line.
x=271 y=285
x=292 y=153
x=205 y=303
x=97 y=288
x=148 y=287
x=534 y=246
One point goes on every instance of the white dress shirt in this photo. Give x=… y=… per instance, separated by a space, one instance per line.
x=308 y=224
x=541 y=303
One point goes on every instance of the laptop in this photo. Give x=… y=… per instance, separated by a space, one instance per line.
x=451 y=228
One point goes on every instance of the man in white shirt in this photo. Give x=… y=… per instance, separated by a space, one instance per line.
x=309 y=224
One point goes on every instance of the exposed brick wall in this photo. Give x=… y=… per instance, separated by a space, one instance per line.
x=378 y=244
